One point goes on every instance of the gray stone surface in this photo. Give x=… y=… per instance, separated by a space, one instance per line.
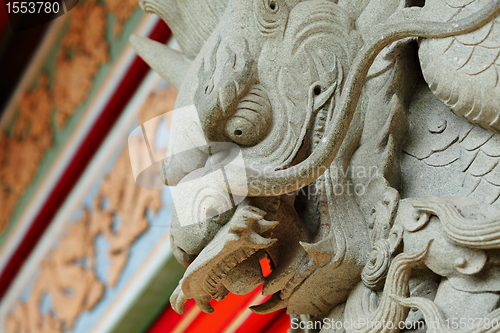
x=361 y=157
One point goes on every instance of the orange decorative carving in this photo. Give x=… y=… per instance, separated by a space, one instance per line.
x=23 y=148
x=122 y=9
x=67 y=274
x=83 y=50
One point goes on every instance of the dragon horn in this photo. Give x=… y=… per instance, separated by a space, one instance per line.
x=191 y=21
x=169 y=64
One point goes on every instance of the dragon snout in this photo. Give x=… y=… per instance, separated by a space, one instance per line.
x=233 y=106
x=244 y=119
x=252 y=119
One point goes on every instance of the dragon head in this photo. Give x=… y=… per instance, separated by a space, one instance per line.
x=261 y=76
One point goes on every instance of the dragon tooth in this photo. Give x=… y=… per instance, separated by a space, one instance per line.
x=243 y=255
x=210 y=288
x=231 y=260
x=253 y=216
x=225 y=265
x=220 y=293
x=274 y=303
x=238 y=226
x=239 y=255
x=219 y=273
x=264 y=225
x=320 y=252
x=211 y=281
x=249 y=252
x=254 y=211
x=259 y=242
x=231 y=239
x=204 y=304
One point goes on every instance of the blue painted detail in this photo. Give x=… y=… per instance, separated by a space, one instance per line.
x=45 y=304
x=102 y=262
x=139 y=251
x=117 y=222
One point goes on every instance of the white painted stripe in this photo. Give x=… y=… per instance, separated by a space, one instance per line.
x=240 y=319
x=187 y=319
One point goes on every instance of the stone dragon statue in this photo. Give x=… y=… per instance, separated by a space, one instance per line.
x=370 y=138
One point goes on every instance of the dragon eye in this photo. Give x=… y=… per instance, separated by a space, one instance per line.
x=271 y=15
x=273 y=6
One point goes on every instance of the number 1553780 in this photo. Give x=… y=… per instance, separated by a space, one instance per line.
x=32 y=7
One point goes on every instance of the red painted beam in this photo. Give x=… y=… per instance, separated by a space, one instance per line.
x=229 y=316
x=280 y=324
x=170 y=319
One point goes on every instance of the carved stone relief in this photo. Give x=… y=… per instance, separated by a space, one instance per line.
x=68 y=275
x=369 y=134
x=64 y=84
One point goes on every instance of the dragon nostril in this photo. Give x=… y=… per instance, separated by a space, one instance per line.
x=317 y=90
x=272 y=5
x=252 y=119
